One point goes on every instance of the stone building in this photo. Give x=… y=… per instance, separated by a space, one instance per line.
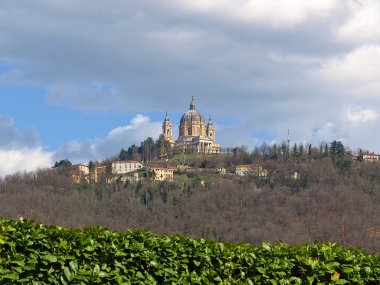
x=195 y=136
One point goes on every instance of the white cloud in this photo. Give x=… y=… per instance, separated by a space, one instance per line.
x=11 y=138
x=27 y=159
x=271 y=64
x=361 y=64
x=276 y=13
x=356 y=115
x=137 y=122
x=362 y=26
x=135 y=132
x=19 y=150
x=94 y=96
x=355 y=74
x=326 y=133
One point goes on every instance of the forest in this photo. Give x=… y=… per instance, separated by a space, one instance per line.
x=335 y=199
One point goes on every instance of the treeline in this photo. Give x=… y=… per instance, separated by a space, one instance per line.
x=325 y=203
x=148 y=150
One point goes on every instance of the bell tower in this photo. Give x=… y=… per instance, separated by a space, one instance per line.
x=210 y=130
x=167 y=129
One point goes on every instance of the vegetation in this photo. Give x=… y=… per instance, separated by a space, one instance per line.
x=37 y=254
x=148 y=150
x=323 y=203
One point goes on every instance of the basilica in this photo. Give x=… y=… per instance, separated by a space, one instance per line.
x=195 y=136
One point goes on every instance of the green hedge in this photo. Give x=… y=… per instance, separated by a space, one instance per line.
x=32 y=253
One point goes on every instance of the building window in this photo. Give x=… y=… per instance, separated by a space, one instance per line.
x=189 y=131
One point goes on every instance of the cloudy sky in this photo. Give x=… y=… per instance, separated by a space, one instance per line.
x=81 y=79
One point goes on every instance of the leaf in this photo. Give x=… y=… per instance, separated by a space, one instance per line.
x=73 y=266
x=261 y=270
x=335 y=276
x=266 y=246
x=50 y=258
x=11 y=276
x=96 y=270
x=69 y=276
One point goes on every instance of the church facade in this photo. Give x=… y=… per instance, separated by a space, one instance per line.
x=195 y=136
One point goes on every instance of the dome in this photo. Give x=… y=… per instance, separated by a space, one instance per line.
x=192 y=115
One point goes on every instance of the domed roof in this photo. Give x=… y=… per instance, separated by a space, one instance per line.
x=192 y=115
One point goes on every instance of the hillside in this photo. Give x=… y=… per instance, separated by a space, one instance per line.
x=324 y=204
x=33 y=253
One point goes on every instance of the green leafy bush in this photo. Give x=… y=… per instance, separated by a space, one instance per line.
x=33 y=253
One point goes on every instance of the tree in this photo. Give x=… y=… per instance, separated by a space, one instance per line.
x=295 y=152
x=148 y=149
x=326 y=151
x=340 y=157
x=301 y=151
x=91 y=169
x=284 y=151
x=336 y=150
x=123 y=154
x=309 y=150
x=108 y=170
x=133 y=153
x=63 y=163
x=163 y=147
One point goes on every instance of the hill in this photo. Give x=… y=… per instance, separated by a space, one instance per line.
x=324 y=204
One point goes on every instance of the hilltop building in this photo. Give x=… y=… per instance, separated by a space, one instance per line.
x=195 y=136
x=126 y=166
x=370 y=157
x=250 y=169
x=162 y=173
x=82 y=173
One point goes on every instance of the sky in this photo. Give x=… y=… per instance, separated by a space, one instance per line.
x=83 y=79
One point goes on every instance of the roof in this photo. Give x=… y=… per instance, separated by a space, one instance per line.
x=126 y=161
x=192 y=115
x=164 y=167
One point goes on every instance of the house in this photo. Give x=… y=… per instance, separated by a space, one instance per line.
x=295 y=175
x=244 y=169
x=370 y=157
x=131 y=177
x=251 y=169
x=162 y=173
x=124 y=167
x=100 y=174
x=80 y=172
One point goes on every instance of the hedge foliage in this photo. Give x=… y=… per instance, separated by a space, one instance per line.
x=32 y=253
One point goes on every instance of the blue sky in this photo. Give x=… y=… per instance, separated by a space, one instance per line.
x=80 y=80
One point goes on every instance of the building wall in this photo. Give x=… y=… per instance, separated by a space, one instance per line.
x=162 y=174
x=123 y=167
x=80 y=172
x=370 y=157
x=196 y=129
